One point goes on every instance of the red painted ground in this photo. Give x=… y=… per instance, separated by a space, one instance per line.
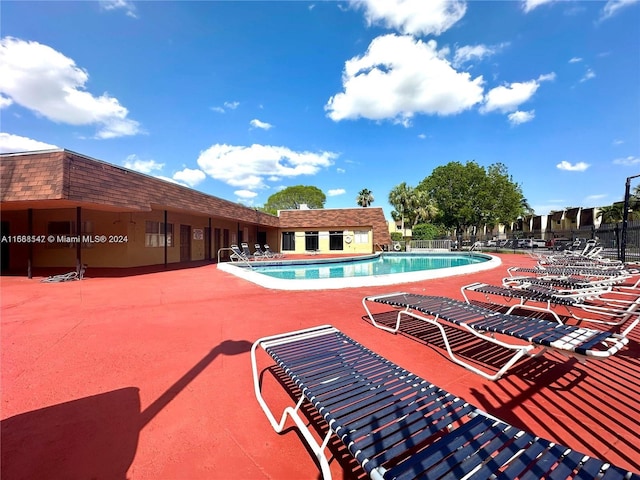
x=148 y=377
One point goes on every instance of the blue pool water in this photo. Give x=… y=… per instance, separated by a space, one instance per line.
x=383 y=265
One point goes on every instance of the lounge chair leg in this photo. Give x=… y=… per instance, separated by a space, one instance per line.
x=318 y=450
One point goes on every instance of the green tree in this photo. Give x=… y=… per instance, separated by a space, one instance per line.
x=365 y=198
x=470 y=195
x=292 y=197
x=401 y=198
x=425 y=231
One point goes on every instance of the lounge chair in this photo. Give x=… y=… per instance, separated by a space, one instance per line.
x=78 y=274
x=590 y=305
x=258 y=252
x=238 y=255
x=574 y=271
x=247 y=253
x=397 y=425
x=270 y=253
x=538 y=335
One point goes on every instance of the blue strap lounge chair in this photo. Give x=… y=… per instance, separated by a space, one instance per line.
x=397 y=425
x=584 y=272
x=595 y=304
x=533 y=336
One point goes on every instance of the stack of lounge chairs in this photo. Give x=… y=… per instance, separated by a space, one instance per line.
x=244 y=254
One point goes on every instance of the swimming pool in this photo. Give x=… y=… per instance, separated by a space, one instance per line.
x=370 y=270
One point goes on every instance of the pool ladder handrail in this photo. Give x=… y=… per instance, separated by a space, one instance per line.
x=240 y=260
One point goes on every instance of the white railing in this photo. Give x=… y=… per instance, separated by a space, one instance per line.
x=430 y=245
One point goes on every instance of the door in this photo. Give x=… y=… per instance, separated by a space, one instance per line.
x=185 y=243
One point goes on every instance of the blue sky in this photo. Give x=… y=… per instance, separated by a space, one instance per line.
x=240 y=99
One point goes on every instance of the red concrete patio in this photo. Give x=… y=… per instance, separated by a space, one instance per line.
x=148 y=376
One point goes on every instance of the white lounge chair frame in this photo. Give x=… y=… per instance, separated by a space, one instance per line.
x=398 y=425
x=618 y=311
x=569 y=340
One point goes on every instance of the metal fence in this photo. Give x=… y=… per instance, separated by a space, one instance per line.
x=609 y=236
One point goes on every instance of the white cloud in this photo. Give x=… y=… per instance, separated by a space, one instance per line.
x=126 y=5
x=226 y=106
x=612 y=7
x=528 y=5
x=594 y=198
x=469 y=53
x=547 y=77
x=255 y=123
x=5 y=101
x=617 y=142
x=143 y=166
x=334 y=192
x=518 y=117
x=340 y=170
x=575 y=60
x=10 y=143
x=627 y=161
x=422 y=136
x=588 y=75
x=576 y=167
x=507 y=98
x=399 y=77
x=250 y=167
x=245 y=194
x=190 y=176
x=171 y=180
x=414 y=17
x=43 y=80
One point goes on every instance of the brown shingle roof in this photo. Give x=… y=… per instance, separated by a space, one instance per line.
x=65 y=175
x=40 y=177
x=370 y=217
x=71 y=177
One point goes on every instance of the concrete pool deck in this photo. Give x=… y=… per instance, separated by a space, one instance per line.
x=148 y=377
x=240 y=269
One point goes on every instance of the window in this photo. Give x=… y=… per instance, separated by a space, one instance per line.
x=60 y=228
x=289 y=241
x=336 y=241
x=311 y=241
x=154 y=234
x=361 y=236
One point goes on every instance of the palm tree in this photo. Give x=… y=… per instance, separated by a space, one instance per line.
x=611 y=213
x=425 y=207
x=365 y=198
x=401 y=198
x=526 y=208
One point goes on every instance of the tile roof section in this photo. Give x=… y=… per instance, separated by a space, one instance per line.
x=369 y=217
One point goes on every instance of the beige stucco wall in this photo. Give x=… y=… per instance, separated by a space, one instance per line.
x=323 y=241
x=125 y=235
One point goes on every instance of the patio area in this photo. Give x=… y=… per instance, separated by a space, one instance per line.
x=148 y=376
